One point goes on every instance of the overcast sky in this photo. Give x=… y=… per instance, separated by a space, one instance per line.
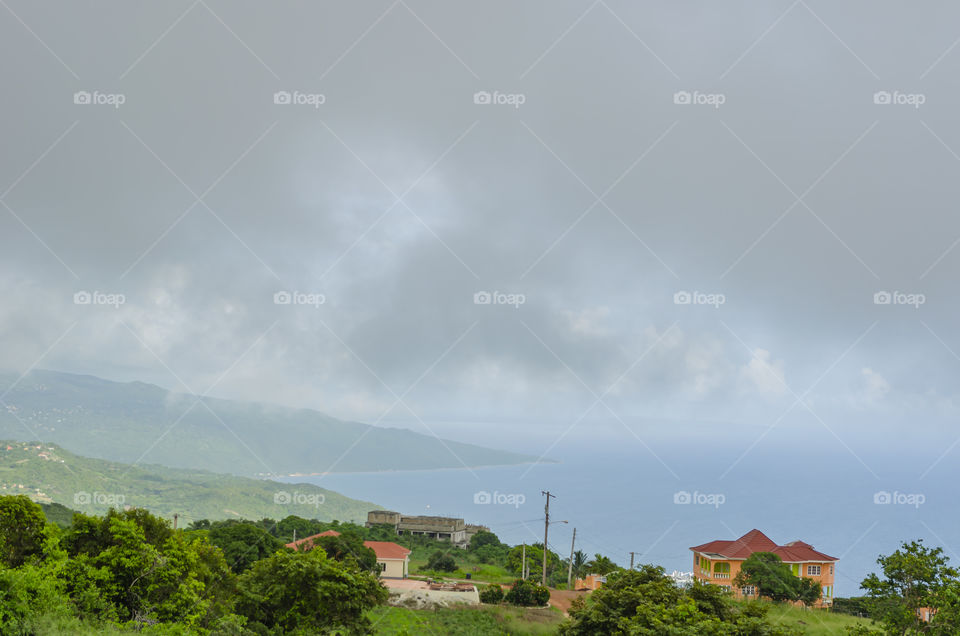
x=815 y=165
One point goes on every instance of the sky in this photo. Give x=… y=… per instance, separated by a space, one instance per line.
x=550 y=213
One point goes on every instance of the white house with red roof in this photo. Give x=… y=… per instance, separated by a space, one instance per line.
x=718 y=562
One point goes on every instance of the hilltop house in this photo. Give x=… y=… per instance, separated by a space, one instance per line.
x=393 y=559
x=718 y=562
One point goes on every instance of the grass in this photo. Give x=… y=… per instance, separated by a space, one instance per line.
x=482 y=572
x=814 y=622
x=485 y=620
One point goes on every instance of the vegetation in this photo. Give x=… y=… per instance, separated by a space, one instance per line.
x=442 y=562
x=774 y=580
x=130 y=571
x=50 y=474
x=914 y=577
x=111 y=420
x=527 y=594
x=486 y=620
x=491 y=594
x=646 y=601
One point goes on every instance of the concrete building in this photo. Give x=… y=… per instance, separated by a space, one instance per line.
x=450 y=529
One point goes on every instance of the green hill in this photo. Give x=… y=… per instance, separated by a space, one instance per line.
x=49 y=474
x=137 y=422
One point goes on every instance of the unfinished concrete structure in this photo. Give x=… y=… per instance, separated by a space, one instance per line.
x=451 y=529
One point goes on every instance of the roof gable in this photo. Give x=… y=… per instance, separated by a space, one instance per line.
x=756 y=541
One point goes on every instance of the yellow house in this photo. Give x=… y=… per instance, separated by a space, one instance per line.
x=718 y=563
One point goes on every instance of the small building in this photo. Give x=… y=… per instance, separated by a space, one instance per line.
x=718 y=563
x=590 y=582
x=392 y=559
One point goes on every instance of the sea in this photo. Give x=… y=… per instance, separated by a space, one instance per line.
x=656 y=489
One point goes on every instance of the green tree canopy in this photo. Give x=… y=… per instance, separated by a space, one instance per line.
x=22 y=529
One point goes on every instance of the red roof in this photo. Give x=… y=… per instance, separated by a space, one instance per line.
x=383 y=549
x=299 y=542
x=387 y=549
x=756 y=541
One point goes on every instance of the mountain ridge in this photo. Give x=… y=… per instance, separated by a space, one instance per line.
x=136 y=422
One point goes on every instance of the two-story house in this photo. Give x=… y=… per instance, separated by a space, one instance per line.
x=718 y=562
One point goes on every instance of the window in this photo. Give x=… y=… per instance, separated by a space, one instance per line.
x=813 y=570
x=748 y=590
x=795 y=568
x=721 y=570
x=831 y=569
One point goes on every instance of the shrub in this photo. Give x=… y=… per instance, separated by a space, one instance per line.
x=527 y=594
x=491 y=594
x=441 y=562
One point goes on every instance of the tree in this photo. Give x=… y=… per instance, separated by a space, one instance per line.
x=579 y=564
x=349 y=546
x=22 y=529
x=306 y=591
x=771 y=576
x=914 y=576
x=534 y=555
x=441 y=562
x=645 y=601
x=601 y=565
x=243 y=544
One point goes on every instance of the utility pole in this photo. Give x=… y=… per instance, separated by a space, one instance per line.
x=523 y=563
x=631 y=559
x=546 y=527
x=570 y=565
x=175 y=517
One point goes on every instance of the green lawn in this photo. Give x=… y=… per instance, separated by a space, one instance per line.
x=815 y=622
x=485 y=620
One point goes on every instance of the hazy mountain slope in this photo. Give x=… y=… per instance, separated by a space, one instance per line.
x=47 y=473
x=137 y=422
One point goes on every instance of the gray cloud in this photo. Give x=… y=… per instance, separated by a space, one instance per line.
x=500 y=199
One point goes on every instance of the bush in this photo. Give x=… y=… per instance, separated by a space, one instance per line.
x=441 y=562
x=491 y=594
x=527 y=594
